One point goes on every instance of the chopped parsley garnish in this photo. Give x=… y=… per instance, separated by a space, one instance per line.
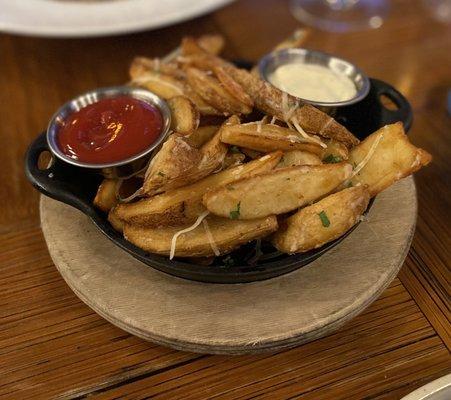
x=235 y=214
x=331 y=159
x=324 y=220
x=349 y=184
x=235 y=149
x=161 y=173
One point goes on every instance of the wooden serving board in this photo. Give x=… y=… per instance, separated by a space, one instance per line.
x=237 y=318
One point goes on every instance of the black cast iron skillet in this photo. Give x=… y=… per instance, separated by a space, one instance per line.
x=77 y=187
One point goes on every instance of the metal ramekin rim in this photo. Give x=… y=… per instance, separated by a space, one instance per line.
x=109 y=92
x=361 y=93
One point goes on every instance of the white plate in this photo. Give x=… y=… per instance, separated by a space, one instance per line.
x=77 y=18
x=440 y=389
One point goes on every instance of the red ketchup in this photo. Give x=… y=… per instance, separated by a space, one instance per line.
x=113 y=129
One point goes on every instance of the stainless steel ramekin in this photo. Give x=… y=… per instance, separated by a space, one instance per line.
x=120 y=168
x=272 y=61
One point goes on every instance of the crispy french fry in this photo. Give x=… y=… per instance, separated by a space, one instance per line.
x=267 y=137
x=385 y=157
x=298 y=157
x=226 y=235
x=276 y=192
x=201 y=135
x=211 y=90
x=185 y=115
x=233 y=87
x=106 y=197
x=322 y=222
x=335 y=151
x=141 y=66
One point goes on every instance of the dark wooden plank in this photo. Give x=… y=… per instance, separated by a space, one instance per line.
x=391 y=346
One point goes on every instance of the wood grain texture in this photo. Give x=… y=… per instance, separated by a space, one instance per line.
x=208 y=318
x=53 y=346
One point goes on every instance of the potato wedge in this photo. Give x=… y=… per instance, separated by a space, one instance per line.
x=183 y=205
x=115 y=222
x=385 y=157
x=233 y=87
x=270 y=100
x=202 y=135
x=267 y=137
x=172 y=166
x=322 y=222
x=226 y=235
x=163 y=85
x=142 y=65
x=211 y=90
x=276 y=192
x=298 y=157
x=335 y=151
x=106 y=196
x=185 y=115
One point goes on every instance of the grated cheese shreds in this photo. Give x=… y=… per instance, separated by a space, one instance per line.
x=298 y=127
x=128 y=199
x=259 y=127
x=199 y=219
x=273 y=120
x=368 y=156
x=211 y=239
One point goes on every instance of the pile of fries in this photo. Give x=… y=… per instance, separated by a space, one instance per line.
x=247 y=161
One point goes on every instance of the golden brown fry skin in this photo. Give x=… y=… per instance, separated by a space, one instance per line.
x=211 y=90
x=233 y=87
x=227 y=235
x=142 y=65
x=267 y=137
x=201 y=135
x=172 y=166
x=183 y=205
x=269 y=99
x=298 y=157
x=393 y=158
x=305 y=230
x=106 y=197
x=276 y=192
x=185 y=115
x=115 y=222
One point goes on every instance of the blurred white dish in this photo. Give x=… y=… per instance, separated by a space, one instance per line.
x=75 y=18
x=440 y=389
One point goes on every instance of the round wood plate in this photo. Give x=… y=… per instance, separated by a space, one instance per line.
x=236 y=318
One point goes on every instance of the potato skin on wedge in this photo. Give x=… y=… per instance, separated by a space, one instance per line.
x=298 y=157
x=227 y=235
x=267 y=137
x=185 y=115
x=390 y=157
x=183 y=205
x=106 y=196
x=322 y=222
x=276 y=192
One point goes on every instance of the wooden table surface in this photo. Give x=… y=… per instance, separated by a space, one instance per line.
x=54 y=346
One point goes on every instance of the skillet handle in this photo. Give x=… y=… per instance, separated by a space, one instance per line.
x=54 y=181
x=402 y=113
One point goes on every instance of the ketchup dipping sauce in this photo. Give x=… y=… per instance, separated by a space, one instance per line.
x=110 y=130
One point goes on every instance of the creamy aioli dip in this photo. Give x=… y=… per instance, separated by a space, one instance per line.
x=313 y=82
